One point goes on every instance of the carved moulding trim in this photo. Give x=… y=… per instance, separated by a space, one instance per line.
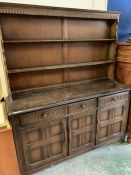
x=6 y=8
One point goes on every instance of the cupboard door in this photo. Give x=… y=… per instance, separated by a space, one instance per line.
x=44 y=144
x=82 y=132
x=111 y=123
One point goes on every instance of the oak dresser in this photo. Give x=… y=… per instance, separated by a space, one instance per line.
x=63 y=98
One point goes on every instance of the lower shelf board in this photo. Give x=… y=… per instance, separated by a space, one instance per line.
x=59 y=66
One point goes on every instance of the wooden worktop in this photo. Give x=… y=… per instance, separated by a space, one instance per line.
x=49 y=98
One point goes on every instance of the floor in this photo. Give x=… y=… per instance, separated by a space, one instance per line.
x=114 y=159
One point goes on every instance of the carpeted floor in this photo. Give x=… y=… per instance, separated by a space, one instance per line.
x=114 y=159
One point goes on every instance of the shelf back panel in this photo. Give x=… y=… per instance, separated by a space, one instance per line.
x=28 y=55
x=80 y=29
x=30 y=80
x=87 y=52
x=37 y=27
x=81 y=74
x=33 y=55
x=19 y=27
x=27 y=80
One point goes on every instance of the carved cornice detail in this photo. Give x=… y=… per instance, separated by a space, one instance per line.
x=52 y=11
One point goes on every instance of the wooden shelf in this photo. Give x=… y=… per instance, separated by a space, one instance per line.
x=124 y=61
x=59 y=66
x=50 y=41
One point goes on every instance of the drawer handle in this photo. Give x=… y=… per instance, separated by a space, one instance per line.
x=113 y=99
x=65 y=135
x=44 y=115
x=83 y=105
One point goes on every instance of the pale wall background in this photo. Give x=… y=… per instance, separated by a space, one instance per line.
x=83 y=4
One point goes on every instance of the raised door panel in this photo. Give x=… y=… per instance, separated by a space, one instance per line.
x=111 y=123
x=82 y=132
x=44 y=144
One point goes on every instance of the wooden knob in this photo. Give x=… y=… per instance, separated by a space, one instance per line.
x=113 y=99
x=83 y=106
x=44 y=115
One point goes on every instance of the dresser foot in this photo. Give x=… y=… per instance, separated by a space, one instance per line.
x=129 y=138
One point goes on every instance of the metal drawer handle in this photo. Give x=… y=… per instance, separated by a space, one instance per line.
x=65 y=136
x=83 y=105
x=113 y=99
x=44 y=115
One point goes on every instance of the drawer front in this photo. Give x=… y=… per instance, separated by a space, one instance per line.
x=112 y=99
x=42 y=116
x=82 y=106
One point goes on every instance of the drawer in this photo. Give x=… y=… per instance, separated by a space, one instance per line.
x=113 y=99
x=42 y=115
x=82 y=106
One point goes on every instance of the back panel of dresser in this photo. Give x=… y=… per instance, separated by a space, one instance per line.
x=44 y=51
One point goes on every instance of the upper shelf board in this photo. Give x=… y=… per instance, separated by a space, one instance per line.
x=38 y=41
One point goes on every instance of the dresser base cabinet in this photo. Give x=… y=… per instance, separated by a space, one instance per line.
x=45 y=137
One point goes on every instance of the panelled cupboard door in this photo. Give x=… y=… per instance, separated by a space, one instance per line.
x=44 y=144
x=111 y=123
x=82 y=132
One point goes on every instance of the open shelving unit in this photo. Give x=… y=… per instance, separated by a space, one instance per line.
x=67 y=50
x=48 y=65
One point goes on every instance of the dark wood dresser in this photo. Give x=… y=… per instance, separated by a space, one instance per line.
x=123 y=73
x=63 y=98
